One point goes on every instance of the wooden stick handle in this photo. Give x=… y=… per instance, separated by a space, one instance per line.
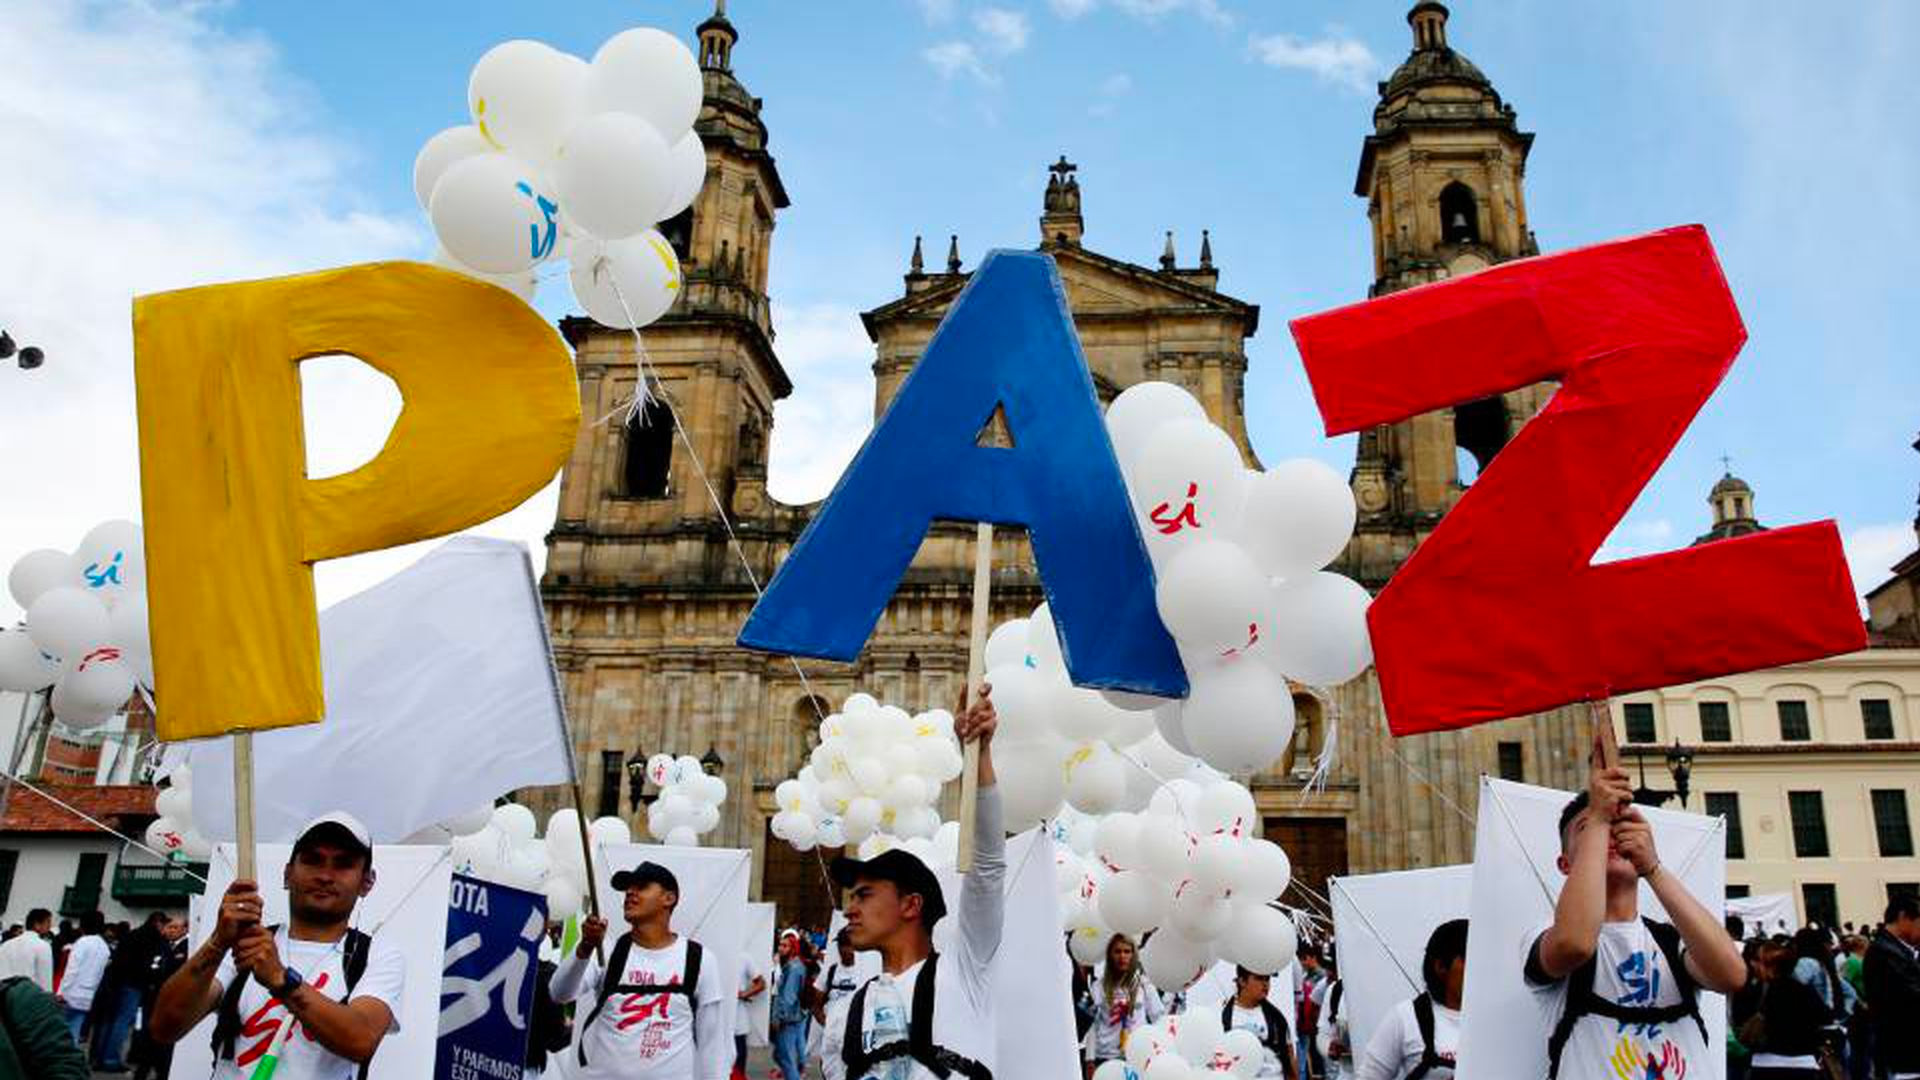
x=1606 y=747
x=586 y=850
x=976 y=669
x=243 y=805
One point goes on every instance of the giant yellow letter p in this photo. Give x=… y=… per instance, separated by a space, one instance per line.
x=233 y=525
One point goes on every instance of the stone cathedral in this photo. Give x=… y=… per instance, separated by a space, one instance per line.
x=647 y=581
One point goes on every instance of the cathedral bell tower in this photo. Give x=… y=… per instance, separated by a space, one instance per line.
x=1444 y=178
x=633 y=509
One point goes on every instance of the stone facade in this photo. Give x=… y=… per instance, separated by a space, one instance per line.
x=646 y=584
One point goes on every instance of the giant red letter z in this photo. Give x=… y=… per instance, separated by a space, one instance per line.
x=1501 y=612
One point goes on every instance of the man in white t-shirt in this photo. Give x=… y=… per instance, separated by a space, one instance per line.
x=30 y=953
x=1618 y=990
x=753 y=983
x=909 y=1023
x=833 y=988
x=656 y=1008
x=317 y=994
x=86 y=963
x=1420 y=1037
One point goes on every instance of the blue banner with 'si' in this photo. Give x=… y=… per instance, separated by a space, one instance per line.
x=487 y=981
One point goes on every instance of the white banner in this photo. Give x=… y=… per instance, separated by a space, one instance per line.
x=758 y=943
x=407 y=909
x=1381 y=923
x=1771 y=913
x=1516 y=881
x=440 y=698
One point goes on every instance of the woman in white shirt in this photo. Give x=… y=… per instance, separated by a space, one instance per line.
x=1418 y=1038
x=1123 y=1001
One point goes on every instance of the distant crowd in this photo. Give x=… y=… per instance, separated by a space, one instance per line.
x=76 y=997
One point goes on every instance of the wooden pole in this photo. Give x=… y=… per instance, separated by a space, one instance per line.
x=243 y=805
x=1606 y=747
x=976 y=669
x=586 y=850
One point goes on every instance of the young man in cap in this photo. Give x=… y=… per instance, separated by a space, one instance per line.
x=657 y=1008
x=927 y=1016
x=335 y=989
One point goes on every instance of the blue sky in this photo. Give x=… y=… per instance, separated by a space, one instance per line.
x=177 y=145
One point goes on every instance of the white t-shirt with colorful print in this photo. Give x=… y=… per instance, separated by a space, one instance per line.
x=323 y=967
x=1630 y=970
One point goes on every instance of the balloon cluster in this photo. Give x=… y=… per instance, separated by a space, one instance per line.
x=873 y=782
x=1190 y=1044
x=172 y=833
x=574 y=159
x=85 y=633
x=503 y=844
x=689 y=803
x=1188 y=871
x=1237 y=556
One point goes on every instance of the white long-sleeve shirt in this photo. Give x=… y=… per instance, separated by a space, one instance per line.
x=86 y=963
x=29 y=955
x=641 y=1036
x=963 y=986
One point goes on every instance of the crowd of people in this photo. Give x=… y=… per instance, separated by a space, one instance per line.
x=78 y=997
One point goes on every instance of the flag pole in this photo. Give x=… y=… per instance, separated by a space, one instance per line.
x=243 y=805
x=976 y=664
x=586 y=850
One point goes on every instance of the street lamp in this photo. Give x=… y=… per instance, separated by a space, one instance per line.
x=711 y=761
x=1679 y=766
x=636 y=780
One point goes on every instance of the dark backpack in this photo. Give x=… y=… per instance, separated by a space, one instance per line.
x=1430 y=1058
x=226 y=1025
x=1582 y=1001
x=918 y=1045
x=1278 y=1036
x=610 y=985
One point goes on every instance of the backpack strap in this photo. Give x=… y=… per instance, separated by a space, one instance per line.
x=918 y=1045
x=355 y=950
x=1430 y=1058
x=610 y=984
x=1582 y=1001
x=1278 y=1034
x=1333 y=997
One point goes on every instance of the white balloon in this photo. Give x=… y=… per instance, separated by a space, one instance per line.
x=1186 y=461
x=1127 y=702
x=1238 y=716
x=1020 y=700
x=1081 y=715
x=472 y=821
x=1163 y=758
x=1117 y=841
x=1320 y=629
x=87 y=698
x=918 y=821
x=649 y=73
x=1242 y=1053
x=1087 y=938
x=1032 y=782
x=1128 y=728
x=706 y=818
x=1225 y=807
x=1296 y=517
x=127 y=626
x=23 y=667
x=687 y=168
x=641 y=269
x=428 y=836
x=862 y=818
x=1148 y=1043
x=1265 y=871
x=1199 y=914
x=1007 y=644
x=196 y=847
x=831 y=833
x=174 y=802
x=68 y=622
x=523 y=96
x=1164 y=847
x=661 y=770
x=1173 y=962
x=1168 y=1067
x=858 y=703
x=564 y=899
x=521 y=283
x=904 y=793
x=1134 y=901
x=516 y=822
x=111 y=560
x=1259 y=938
x=37 y=571
x=610 y=831
x=524 y=867
x=493 y=213
x=1198 y=1030
x=1217 y=861
x=683 y=836
x=166 y=834
x=1212 y=597
x=613 y=175
x=1096 y=778
x=1143 y=407
x=440 y=153
x=1043 y=641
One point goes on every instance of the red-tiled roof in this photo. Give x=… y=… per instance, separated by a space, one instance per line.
x=28 y=812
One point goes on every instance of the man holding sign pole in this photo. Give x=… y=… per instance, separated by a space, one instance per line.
x=311 y=1000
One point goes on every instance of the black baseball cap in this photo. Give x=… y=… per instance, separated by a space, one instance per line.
x=904 y=869
x=647 y=873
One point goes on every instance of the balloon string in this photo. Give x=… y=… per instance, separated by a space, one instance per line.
x=644 y=395
x=98 y=824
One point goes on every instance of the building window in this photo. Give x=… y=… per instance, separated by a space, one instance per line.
x=1821 y=904
x=1794 y=726
x=1809 y=815
x=1716 y=723
x=1640 y=723
x=1739 y=892
x=1890 y=823
x=1898 y=889
x=1459 y=215
x=1726 y=804
x=9 y=859
x=613 y=772
x=649 y=461
x=1876 y=715
x=1512 y=763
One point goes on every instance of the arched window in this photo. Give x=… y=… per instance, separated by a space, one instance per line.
x=649 y=452
x=1459 y=215
x=1480 y=430
x=1307 y=735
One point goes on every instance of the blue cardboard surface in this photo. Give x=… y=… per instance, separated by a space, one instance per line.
x=1007 y=342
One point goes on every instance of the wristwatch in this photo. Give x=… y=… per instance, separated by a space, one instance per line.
x=288 y=985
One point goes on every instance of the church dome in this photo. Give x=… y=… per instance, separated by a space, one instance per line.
x=1728 y=485
x=1432 y=60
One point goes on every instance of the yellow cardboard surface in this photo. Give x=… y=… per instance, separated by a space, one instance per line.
x=490 y=410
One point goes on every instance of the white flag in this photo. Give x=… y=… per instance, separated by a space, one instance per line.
x=441 y=697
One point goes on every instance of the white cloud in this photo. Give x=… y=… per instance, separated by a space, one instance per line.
x=156 y=152
x=1006 y=31
x=955 y=58
x=1873 y=549
x=1632 y=539
x=936 y=11
x=1336 y=59
x=1070 y=9
x=1206 y=10
x=820 y=427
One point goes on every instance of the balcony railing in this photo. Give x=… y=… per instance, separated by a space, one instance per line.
x=158 y=886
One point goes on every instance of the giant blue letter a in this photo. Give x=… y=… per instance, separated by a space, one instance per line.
x=1008 y=342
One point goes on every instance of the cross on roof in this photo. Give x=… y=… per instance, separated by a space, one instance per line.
x=1727 y=464
x=1062 y=168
